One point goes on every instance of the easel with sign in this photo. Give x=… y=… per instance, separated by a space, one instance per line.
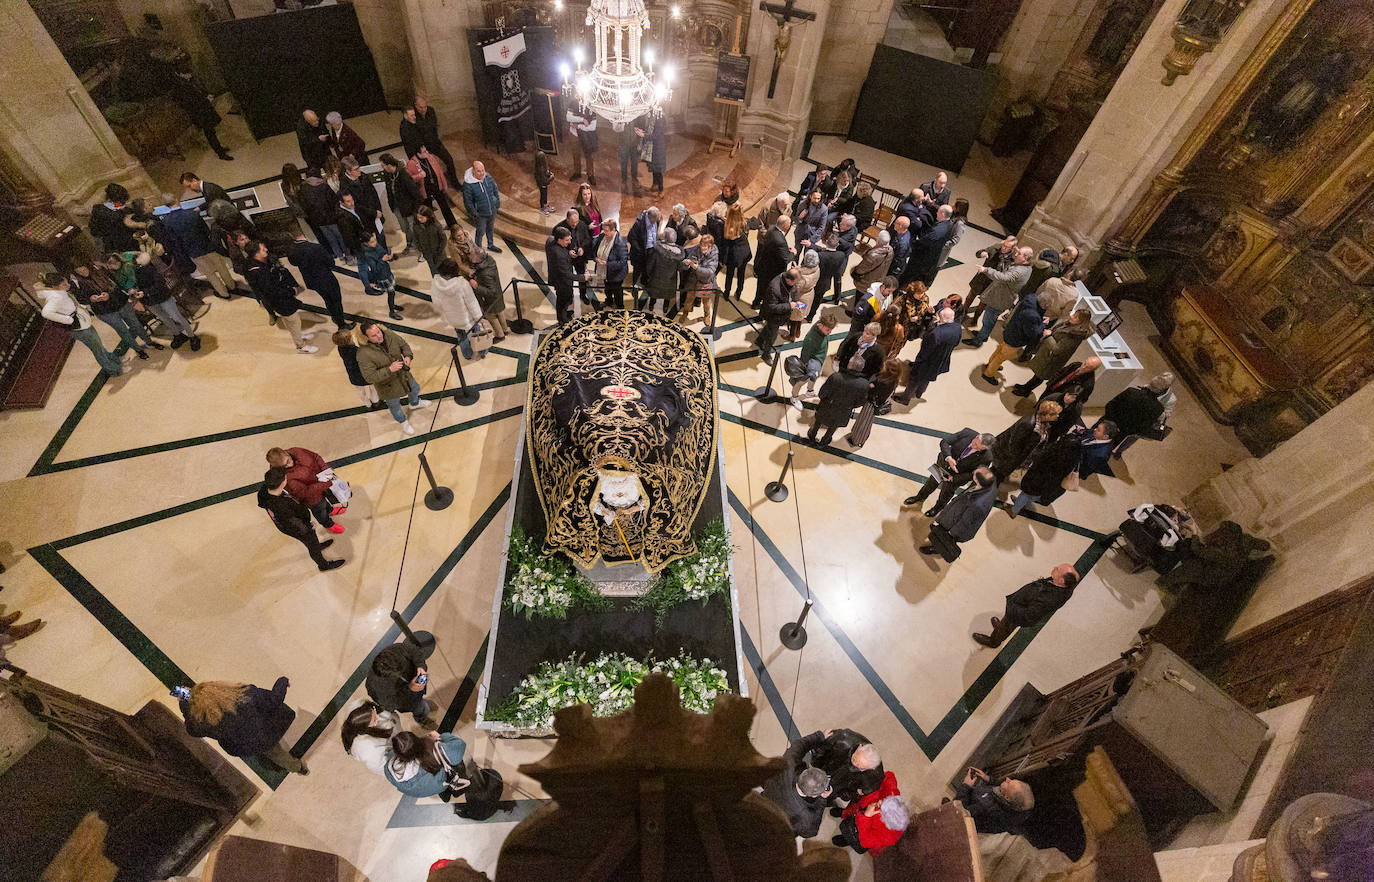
x=732 y=75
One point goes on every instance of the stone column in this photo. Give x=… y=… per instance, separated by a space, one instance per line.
x=1121 y=160
x=846 y=53
x=1313 y=498
x=49 y=126
x=441 y=65
x=1036 y=46
x=779 y=123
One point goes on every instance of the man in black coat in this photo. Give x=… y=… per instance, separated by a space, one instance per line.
x=558 y=263
x=1032 y=604
x=962 y=518
x=961 y=454
x=351 y=226
x=641 y=239
x=933 y=358
x=999 y=808
x=426 y=125
x=402 y=196
x=778 y=302
x=915 y=207
x=187 y=91
x=313 y=138
x=1082 y=374
x=365 y=199
x=316 y=266
x=772 y=257
x=292 y=517
x=800 y=789
x=851 y=761
x=937 y=191
x=582 y=250
x=205 y=189
x=843 y=391
x=398 y=679
x=926 y=247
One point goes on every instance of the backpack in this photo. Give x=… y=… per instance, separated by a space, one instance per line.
x=483 y=794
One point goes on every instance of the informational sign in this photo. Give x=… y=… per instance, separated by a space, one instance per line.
x=732 y=77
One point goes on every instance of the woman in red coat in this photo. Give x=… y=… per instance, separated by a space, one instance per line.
x=875 y=820
x=303 y=483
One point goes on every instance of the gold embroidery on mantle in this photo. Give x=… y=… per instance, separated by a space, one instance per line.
x=622 y=418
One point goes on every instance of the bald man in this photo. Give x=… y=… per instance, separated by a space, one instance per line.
x=1032 y=604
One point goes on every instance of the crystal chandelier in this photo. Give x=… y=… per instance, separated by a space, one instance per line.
x=616 y=88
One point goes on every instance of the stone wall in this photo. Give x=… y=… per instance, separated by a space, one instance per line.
x=846 y=53
x=1139 y=129
x=1035 y=47
x=49 y=126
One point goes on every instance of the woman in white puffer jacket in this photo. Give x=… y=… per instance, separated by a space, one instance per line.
x=457 y=303
x=365 y=733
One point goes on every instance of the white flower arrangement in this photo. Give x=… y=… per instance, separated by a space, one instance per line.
x=698 y=576
x=544 y=585
x=607 y=684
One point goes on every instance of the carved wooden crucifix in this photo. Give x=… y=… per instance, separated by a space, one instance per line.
x=785 y=13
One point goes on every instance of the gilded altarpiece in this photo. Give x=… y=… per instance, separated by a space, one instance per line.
x=1260 y=245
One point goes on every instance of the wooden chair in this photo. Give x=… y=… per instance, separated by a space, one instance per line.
x=882 y=216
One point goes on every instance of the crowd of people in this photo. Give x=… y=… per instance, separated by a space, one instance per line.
x=667 y=262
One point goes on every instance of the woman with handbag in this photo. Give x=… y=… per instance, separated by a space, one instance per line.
x=457 y=303
x=426 y=765
x=809 y=268
x=304 y=481
x=879 y=391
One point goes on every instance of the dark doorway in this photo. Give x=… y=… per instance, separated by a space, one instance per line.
x=278 y=65
x=921 y=108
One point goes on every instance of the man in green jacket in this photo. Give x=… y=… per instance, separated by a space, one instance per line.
x=384 y=361
x=814 y=347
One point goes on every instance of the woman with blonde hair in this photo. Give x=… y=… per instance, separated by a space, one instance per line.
x=247 y=721
x=459 y=250
x=734 y=249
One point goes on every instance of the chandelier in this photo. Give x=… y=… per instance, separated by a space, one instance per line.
x=616 y=88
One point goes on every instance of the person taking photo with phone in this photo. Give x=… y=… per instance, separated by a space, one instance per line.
x=398 y=680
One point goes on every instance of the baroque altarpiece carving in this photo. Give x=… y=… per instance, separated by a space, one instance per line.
x=1259 y=237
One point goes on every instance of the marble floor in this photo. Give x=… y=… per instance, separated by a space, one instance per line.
x=131 y=528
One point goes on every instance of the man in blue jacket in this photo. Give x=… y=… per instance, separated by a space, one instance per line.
x=190 y=236
x=482 y=201
x=1025 y=327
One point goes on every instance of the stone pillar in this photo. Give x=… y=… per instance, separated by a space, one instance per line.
x=779 y=123
x=1313 y=498
x=1140 y=128
x=49 y=126
x=1034 y=49
x=441 y=66
x=846 y=53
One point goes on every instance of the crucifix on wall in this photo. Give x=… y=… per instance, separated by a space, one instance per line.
x=786 y=13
